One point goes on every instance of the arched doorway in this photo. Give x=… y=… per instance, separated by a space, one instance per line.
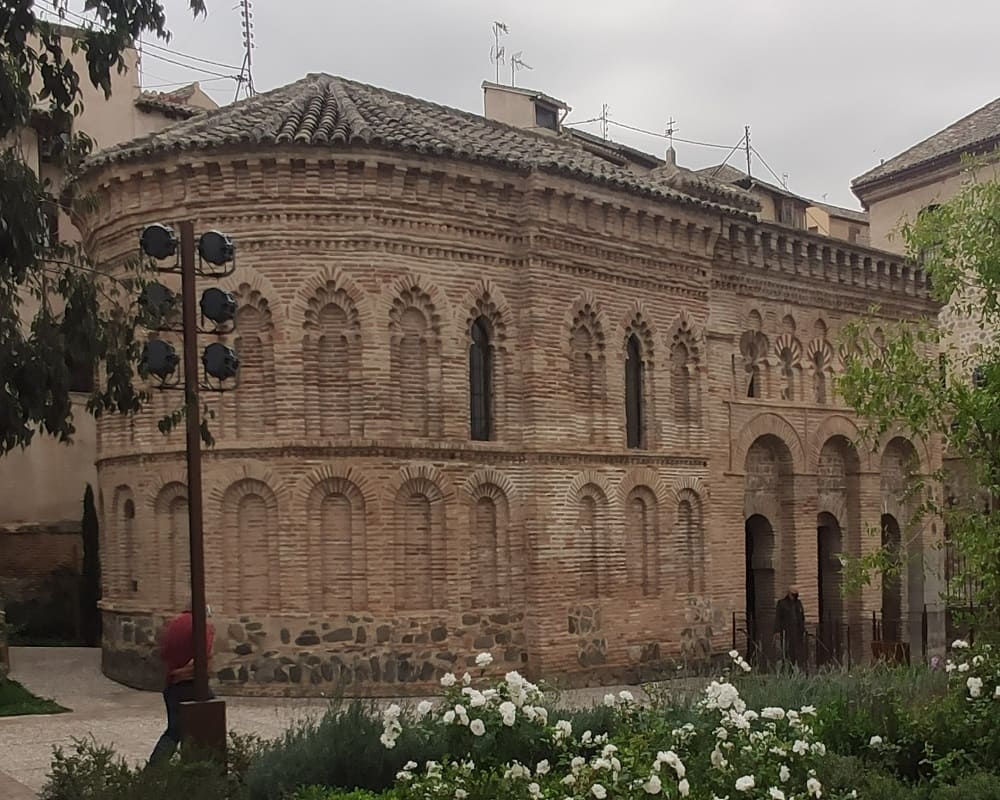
x=892 y=588
x=760 y=583
x=829 y=581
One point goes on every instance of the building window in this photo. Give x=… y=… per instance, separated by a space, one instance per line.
x=480 y=382
x=633 y=393
x=546 y=117
x=853 y=234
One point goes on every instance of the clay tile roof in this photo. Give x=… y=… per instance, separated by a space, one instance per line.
x=321 y=110
x=843 y=213
x=728 y=174
x=975 y=132
x=171 y=104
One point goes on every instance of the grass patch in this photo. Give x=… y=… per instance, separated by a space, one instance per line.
x=17 y=701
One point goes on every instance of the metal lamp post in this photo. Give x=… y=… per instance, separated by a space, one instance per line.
x=203 y=720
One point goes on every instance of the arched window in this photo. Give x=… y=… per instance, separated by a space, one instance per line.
x=481 y=382
x=634 y=428
x=128 y=531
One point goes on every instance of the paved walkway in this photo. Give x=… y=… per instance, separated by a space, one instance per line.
x=128 y=719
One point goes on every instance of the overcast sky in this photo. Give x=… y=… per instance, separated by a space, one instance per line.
x=828 y=88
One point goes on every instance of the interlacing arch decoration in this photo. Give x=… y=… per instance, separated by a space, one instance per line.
x=685 y=377
x=415 y=362
x=639 y=357
x=592 y=546
x=820 y=357
x=789 y=352
x=332 y=346
x=588 y=369
x=754 y=350
x=254 y=403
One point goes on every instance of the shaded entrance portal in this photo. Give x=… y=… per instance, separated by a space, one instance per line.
x=760 y=598
x=829 y=546
x=892 y=588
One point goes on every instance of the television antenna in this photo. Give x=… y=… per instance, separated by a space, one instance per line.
x=497 y=52
x=246 y=71
x=516 y=63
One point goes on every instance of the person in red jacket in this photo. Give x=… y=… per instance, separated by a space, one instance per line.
x=177 y=655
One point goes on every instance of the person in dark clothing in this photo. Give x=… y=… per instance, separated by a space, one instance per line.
x=177 y=655
x=790 y=628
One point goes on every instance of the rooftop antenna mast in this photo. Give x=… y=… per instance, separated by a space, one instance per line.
x=497 y=51
x=246 y=71
x=746 y=141
x=671 y=130
x=604 y=121
x=516 y=63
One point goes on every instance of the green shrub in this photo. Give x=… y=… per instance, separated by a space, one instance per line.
x=343 y=750
x=323 y=793
x=94 y=772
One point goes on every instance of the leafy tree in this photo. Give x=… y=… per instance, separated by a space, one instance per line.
x=914 y=377
x=58 y=311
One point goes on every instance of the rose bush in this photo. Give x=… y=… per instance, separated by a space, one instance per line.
x=722 y=750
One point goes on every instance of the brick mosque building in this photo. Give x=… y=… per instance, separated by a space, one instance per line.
x=503 y=388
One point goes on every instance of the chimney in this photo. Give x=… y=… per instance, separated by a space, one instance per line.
x=523 y=108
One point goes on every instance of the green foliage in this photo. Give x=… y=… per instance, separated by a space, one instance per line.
x=323 y=793
x=94 y=772
x=342 y=749
x=16 y=701
x=910 y=376
x=80 y=319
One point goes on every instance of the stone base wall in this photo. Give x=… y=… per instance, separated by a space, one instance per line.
x=369 y=655
x=356 y=655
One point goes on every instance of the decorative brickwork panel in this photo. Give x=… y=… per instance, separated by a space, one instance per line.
x=173 y=545
x=255 y=408
x=416 y=364
x=251 y=567
x=337 y=563
x=421 y=547
x=587 y=374
x=645 y=547
x=692 y=539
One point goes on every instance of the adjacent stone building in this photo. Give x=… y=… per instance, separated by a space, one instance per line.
x=498 y=393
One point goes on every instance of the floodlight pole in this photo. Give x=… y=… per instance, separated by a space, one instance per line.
x=203 y=720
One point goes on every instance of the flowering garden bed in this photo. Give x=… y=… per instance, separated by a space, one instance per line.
x=886 y=734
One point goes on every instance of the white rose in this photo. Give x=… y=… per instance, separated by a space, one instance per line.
x=569 y=780
x=448 y=679
x=814 y=787
x=959 y=644
x=609 y=700
x=684 y=787
x=448 y=717
x=734 y=654
x=477 y=727
x=466 y=679
x=654 y=785
x=776 y=793
x=461 y=794
x=996 y=692
x=773 y=713
x=598 y=791
x=424 y=708
x=963 y=667
x=626 y=696
x=543 y=767
x=784 y=773
x=484 y=660
x=534 y=790
x=975 y=686
x=745 y=784
x=875 y=741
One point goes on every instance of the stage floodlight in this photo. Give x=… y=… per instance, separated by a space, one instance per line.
x=158 y=241
x=159 y=358
x=216 y=248
x=218 y=305
x=221 y=362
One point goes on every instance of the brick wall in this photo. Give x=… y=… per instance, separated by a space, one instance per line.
x=355 y=533
x=40 y=580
